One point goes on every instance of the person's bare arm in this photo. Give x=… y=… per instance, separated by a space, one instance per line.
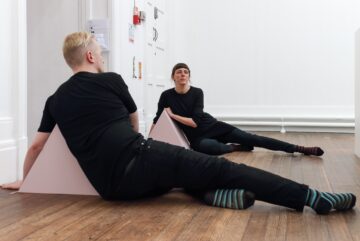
x=134 y=120
x=184 y=120
x=31 y=155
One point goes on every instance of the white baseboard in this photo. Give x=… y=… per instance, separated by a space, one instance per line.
x=288 y=118
x=292 y=124
x=8 y=164
x=12 y=151
x=8 y=151
x=6 y=129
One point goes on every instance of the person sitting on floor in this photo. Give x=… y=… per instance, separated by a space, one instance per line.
x=185 y=105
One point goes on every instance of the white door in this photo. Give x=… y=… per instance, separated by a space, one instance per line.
x=157 y=72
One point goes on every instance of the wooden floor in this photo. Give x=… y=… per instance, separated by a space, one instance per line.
x=177 y=216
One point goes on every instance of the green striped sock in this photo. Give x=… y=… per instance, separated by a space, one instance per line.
x=323 y=202
x=230 y=198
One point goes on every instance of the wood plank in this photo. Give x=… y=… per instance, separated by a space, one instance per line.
x=177 y=216
x=38 y=220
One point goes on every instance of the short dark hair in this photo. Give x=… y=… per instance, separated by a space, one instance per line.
x=179 y=66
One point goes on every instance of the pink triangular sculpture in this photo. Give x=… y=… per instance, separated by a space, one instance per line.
x=166 y=130
x=56 y=171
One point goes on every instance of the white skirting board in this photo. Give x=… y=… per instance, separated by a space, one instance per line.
x=8 y=164
x=291 y=124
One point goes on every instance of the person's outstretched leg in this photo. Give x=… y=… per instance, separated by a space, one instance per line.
x=162 y=166
x=214 y=147
x=210 y=173
x=249 y=139
x=274 y=189
x=211 y=147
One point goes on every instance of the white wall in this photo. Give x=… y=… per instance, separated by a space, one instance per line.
x=13 y=139
x=48 y=24
x=153 y=54
x=357 y=93
x=55 y=19
x=47 y=69
x=49 y=21
x=264 y=61
x=123 y=51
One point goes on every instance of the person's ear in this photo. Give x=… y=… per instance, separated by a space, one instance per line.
x=90 y=57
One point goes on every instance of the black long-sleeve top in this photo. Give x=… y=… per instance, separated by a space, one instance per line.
x=191 y=105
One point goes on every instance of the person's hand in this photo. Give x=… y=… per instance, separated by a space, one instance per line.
x=169 y=111
x=12 y=185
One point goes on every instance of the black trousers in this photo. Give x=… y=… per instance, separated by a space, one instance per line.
x=217 y=145
x=158 y=167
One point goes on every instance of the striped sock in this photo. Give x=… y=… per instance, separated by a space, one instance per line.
x=316 y=151
x=230 y=198
x=323 y=202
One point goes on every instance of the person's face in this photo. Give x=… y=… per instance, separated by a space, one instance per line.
x=181 y=76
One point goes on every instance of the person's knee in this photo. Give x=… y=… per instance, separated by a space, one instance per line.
x=212 y=147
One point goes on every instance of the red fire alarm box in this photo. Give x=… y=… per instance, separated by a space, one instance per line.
x=136 y=16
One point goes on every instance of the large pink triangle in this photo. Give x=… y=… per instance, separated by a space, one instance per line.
x=166 y=130
x=56 y=171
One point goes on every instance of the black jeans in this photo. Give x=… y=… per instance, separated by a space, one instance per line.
x=217 y=145
x=159 y=167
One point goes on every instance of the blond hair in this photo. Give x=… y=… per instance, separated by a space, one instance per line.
x=75 y=47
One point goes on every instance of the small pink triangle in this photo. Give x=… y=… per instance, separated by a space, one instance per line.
x=167 y=131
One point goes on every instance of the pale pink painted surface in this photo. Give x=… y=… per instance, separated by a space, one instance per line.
x=56 y=170
x=166 y=130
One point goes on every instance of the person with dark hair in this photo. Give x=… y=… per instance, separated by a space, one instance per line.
x=185 y=105
x=98 y=119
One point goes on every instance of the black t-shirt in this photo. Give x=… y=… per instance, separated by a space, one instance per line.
x=191 y=105
x=92 y=112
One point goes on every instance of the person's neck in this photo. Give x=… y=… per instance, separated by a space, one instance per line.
x=182 y=89
x=85 y=68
